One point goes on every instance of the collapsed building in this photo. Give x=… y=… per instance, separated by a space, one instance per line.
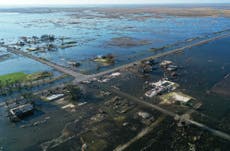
x=169 y=68
x=160 y=87
x=19 y=109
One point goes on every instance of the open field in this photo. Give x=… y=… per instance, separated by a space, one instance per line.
x=22 y=77
x=12 y=78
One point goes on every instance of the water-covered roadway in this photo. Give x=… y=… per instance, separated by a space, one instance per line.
x=79 y=77
x=215 y=132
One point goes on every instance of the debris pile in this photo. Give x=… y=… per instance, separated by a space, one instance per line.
x=161 y=87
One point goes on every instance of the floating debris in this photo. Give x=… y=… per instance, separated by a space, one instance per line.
x=165 y=63
x=171 y=68
x=74 y=63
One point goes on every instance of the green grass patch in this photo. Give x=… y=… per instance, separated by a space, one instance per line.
x=22 y=77
x=12 y=78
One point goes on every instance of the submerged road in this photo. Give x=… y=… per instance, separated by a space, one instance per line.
x=141 y=134
x=215 y=132
x=160 y=55
x=79 y=77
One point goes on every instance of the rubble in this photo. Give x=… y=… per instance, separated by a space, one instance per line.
x=74 y=63
x=144 y=115
x=109 y=77
x=174 y=97
x=146 y=66
x=160 y=87
x=54 y=97
x=115 y=74
x=20 y=111
x=165 y=63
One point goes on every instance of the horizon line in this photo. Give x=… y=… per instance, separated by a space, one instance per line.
x=94 y=4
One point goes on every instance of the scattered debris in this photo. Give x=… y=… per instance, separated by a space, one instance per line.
x=144 y=115
x=165 y=63
x=115 y=74
x=18 y=112
x=174 y=97
x=160 y=87
x=70 y=105
x=82 y=103
x=54 y=97
x=74 y=63
x=109 y=77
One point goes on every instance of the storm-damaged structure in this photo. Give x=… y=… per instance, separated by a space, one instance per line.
x=160 y=87
x=19 y=109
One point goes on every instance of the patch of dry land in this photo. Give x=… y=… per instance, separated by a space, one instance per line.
x=127 y=42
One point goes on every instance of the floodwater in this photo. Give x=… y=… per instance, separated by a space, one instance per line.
x=203 y=66
x=200 y=68
x=93 y=30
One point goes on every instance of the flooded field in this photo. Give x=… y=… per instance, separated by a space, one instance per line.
x=98 y=31
x=199 y=69
x=78 y=75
